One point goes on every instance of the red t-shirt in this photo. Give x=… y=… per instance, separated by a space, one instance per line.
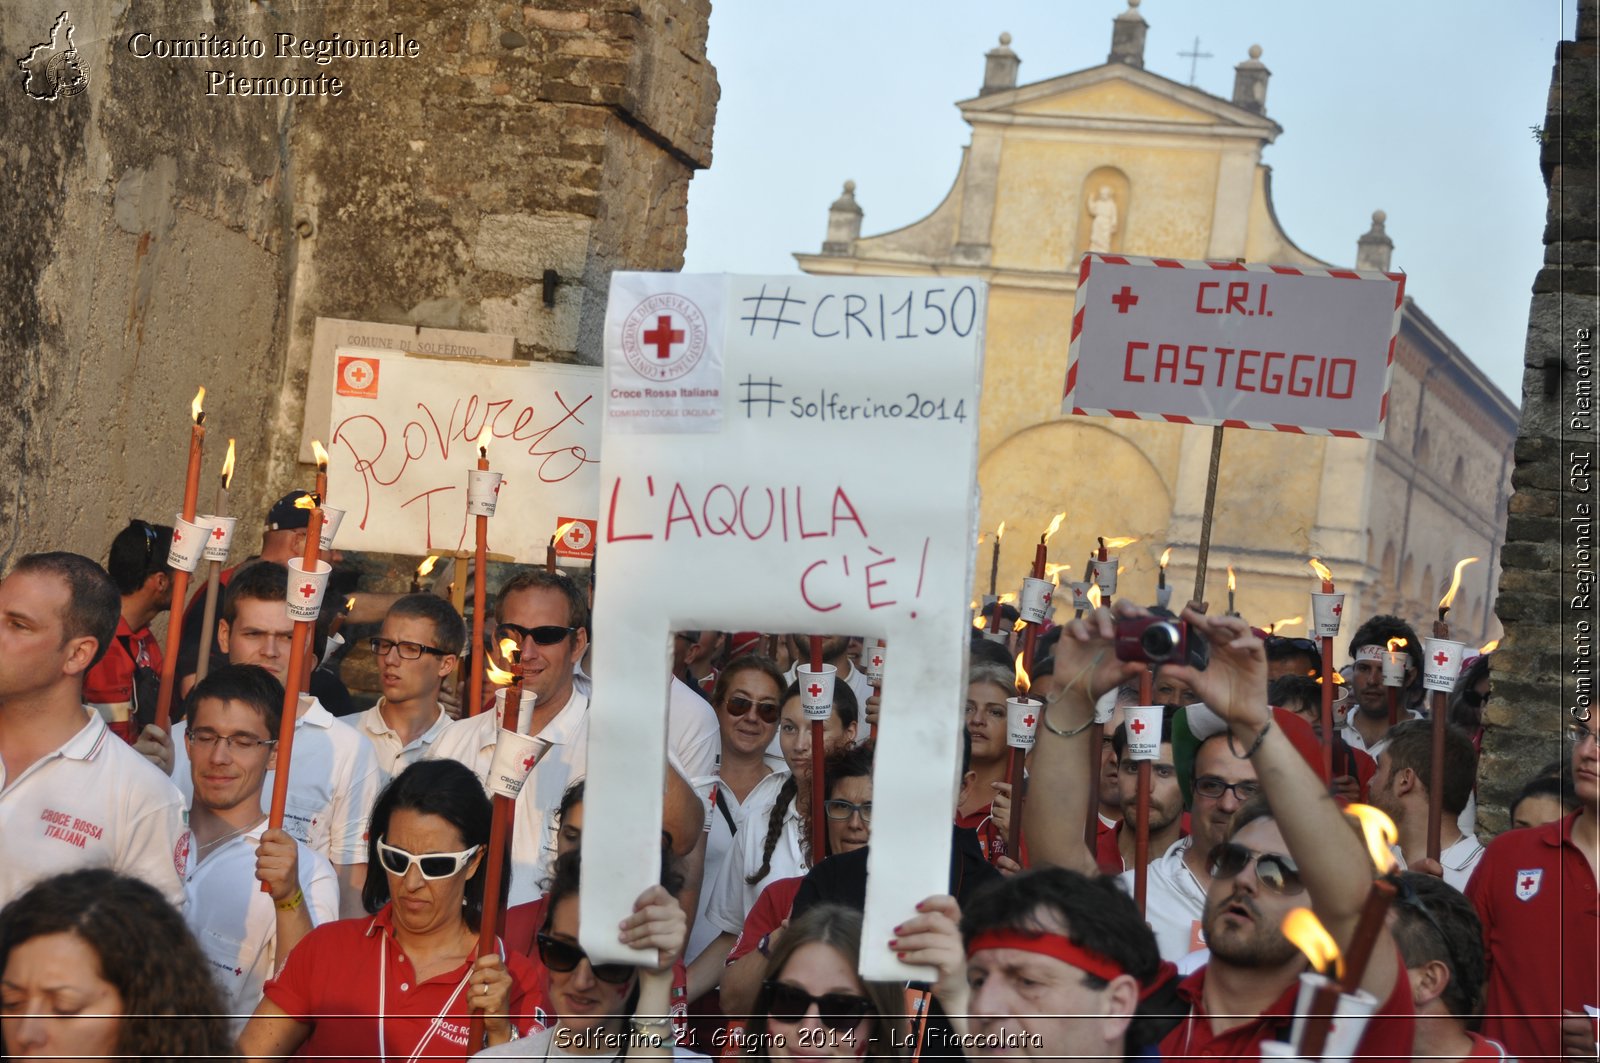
x=766 y=915
x=1485 y=1048
x=1388 y=1037
x=110 y=681
x=1535 y=893
x=332 y=981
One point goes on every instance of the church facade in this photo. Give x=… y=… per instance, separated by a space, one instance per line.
x=1121 y=159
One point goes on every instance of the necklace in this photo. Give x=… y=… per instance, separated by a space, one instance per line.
x=213 y=843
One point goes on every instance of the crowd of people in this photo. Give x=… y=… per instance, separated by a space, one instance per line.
x=151 y=908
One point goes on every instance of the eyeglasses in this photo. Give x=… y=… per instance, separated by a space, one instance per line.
x=839 y=1012
x=543 y=635
x=1213 y=787
x=205 y=739
x=564 y=957
x=433 y=866
x=409 y=651
x=840 y=809
x=1579 y=733
x=738 y=705
x=1275 y=871
x=150 y=539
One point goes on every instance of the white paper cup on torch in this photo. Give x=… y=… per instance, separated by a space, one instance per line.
x=1144 y=731
x=306 y=589
x=1326 y=609
x=1104 y=575
x=221 y=538
x=483 y=491
x=188 y=543
x=1034 y=604
x=1349 y=1018
x=872 y=658
x=514 y=758
x=330 y=527
x=1080 y=596
x=330 y=646
x=816 y=691
x=1441 y=663
x=1022 y=721
x=1280 y=1050
x=1395 y=663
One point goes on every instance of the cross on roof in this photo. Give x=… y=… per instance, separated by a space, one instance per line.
x=1194 y=55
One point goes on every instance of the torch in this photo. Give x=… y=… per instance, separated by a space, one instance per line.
x=1022 y=720
x=1143 y=722
x=1441 y=667
x=1326 y=609
x=1163 y=592
x=1379 y=832
x=216 y=552
x=550 y=551
x=816 y=700
x=1103 y=567
x=1232 y=584
x=1394 y=676
x=422 y=572
x=1034 y=604
x=994 y=558
x=307 y=581
x=180 y=577
x=1314 y=1018
x=1092 y=751
x=483 y=493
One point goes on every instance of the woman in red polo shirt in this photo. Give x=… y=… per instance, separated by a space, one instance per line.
x=407 y=981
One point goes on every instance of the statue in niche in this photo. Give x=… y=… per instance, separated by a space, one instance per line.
x=1103 y=209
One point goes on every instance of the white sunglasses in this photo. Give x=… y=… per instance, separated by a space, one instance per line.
x=431 y=865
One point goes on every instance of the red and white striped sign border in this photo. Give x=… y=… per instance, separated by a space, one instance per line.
x=1227 y=267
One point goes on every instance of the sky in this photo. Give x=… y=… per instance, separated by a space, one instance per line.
x=1424 y=109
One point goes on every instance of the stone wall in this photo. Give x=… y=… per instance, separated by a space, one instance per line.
x=159 y=238
x=1542 y=600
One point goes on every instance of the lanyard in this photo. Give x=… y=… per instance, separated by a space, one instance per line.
x=438 y=1020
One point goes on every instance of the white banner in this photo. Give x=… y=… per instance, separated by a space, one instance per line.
x=771 y=522
x=405 y=434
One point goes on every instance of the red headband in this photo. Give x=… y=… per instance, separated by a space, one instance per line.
x=1054 y=945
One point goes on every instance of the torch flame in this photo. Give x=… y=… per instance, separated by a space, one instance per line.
x=1020 y=626
x=1322 y=570
x=1022 y=677
x=1000 y=532
x=1119 y=541
x=1093 y=594
x=1231 y=584
x=1379 y=830
x=1285 y=623
x=1488 y=647
x=561 y=531
x=1166 y=555
x=979 y=622
x=497 y=675
x=227 y=467
x=1007 y=598
x=1055 y=525
x=427 y=565
x=981 y=537
x=1306 y=932
x=305 y=501
x=195 y=409
x=1396 y=644
x=1455 y=582
x=511 y=650
x=1052 y=572
x=320 y=454
x=482 y=442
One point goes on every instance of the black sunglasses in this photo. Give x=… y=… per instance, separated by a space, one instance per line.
x=543 y=635
x=738 y=705
x=564 y=956
x=839 y=1012
x=1275 y=871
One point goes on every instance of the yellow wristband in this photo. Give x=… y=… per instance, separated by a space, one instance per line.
x=293 y=902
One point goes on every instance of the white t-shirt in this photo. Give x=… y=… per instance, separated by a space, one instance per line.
x=471 y=742
x=719 y=843
x=1459 y=859
x=393 y=757
x=693 y=739
x=236 y=924
x=731 y=896
x=334 y=779
x=92 y=803
x=1174 y=901
x=547 y=1045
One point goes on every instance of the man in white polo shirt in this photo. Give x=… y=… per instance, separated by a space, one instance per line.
x=246 y=934
x=418 y=647
x=333 y=776
x=72 y=795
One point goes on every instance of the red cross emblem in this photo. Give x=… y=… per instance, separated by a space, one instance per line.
x=1527 y=883
x=1440 y=658
x=177 y=535
x=578 y=536
x=497 y=485
x=1124 y=300
x=527 y=761
x=308 y=591
x=1338 y=608
x=877 y=660
x=237 y=971
x=1045 y=598
x=1027 y=721
x=1137 y=727
x=217 y=533
x=814 y=690
x=358 y=374
x=314 y=821
x=663 y=336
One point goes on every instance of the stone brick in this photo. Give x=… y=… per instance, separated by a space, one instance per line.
x=571 y=21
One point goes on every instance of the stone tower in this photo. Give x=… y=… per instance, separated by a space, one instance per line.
x=485 y=169
x=1547 y=665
